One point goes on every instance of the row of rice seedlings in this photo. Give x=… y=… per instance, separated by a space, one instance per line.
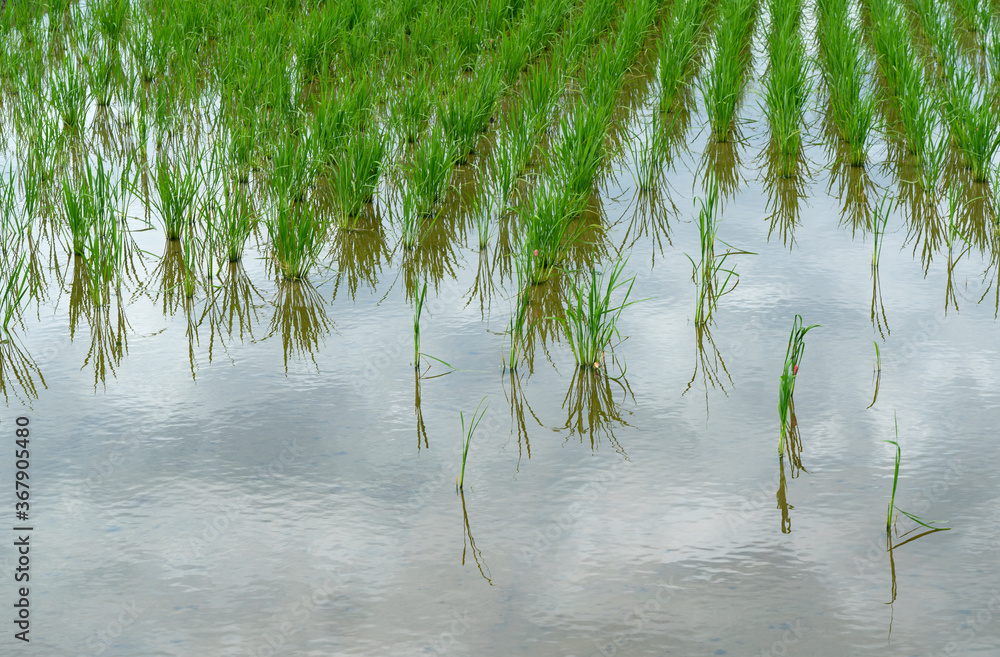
x=786 y=86
x=723 y=86
x=678 y=49
x=848 y=78
x=908 y=84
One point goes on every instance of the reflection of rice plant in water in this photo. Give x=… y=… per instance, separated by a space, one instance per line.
x=591 y=317
x=15 y=284
x=477 y=417
x=786 y=388
x=892 y=497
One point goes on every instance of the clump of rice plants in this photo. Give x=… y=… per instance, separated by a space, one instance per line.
x=411 y=109
x=786 y=387
x=723 y=86
x=546 y=230
x=591 y=316
x=429 y=173
x=678 y=48
x=177 y=184
x=465 y=114
x=356 y=176
x=576 y=158
x=297 y=233
x=786 y=86
x=70 y=96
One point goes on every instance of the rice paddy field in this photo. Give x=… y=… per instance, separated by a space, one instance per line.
x=474 y=327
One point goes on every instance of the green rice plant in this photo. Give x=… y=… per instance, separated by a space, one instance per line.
x=70 y=96
x=895 y=480
x=786 y=387
x=546 y=231
x=466 y=112
x=357 y=174
x=78 y=216
x=297 y=233
x=13 y=293
x=429 y=173
x=228 y=219
x=708 y=272
x=101 y=72
x=541 y=93
x=591 y=317
x=650 y=153
x=295 y=166
x=418 y=308
x=112 y=18
x=411 y=109
x=786 y=86
x=723 y=86
x=879 y=221
x=982 y=136
x=482 y=211
x=176 y=185
x=678 y=49
x=576 y=158
x=477 y=417
x=935 y=157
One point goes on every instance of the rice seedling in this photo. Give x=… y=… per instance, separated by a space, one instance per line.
x=786 y=86
x=177 y=185
x=723 y=86
x=577 y=156
x=786 y=387
x=483 y=209
x=591 y=317
x=546 y=231
x=650 y=153
x=418 y=308
x=357 y=174
x=430 y=171
x=879 y=222
x=111 y=18
x=708 y=272
x=477 y=417
x=895 y=481
x=295 y=166
x=70 y=96
x=466 y=112
x=678 y=48
x=296 y=232
x=981 y=123
x=412 y=109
